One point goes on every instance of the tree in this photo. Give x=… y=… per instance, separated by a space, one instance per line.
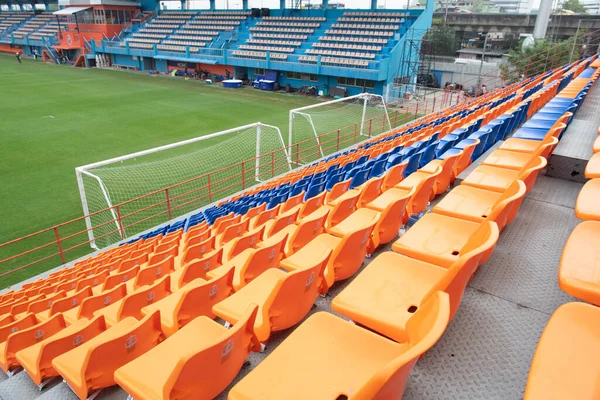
x=542 y=56
x=442 y=40
x=574 y=5
x=477 y=6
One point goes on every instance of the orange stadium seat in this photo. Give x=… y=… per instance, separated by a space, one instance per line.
x=473 y=204
x=194 y=299
x=283 y=298
x=347 y=255
x=439 y=240
x=385 y=295
x=343 y=369
x=577 y=274
x=37 y=359
x=199 y=361
x=565 y=364
x=91 y=365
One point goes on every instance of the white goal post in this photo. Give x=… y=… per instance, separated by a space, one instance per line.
x=126 y=195
x=321 y=129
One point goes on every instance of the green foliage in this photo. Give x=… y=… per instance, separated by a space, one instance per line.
x=574 y=5
x=442 y=40
x=540 y=57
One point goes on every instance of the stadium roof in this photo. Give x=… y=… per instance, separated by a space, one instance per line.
x=70 y=10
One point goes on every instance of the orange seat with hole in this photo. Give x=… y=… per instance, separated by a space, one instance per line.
x=474 y=204
x=92 y=365
x=438 y=239
x=199 y=361
x=565 y=364
x=344 y=369
x=385 y=295
x=446 y=177
x=499 y=179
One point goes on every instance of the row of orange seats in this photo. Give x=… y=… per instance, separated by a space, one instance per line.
x=565 y=365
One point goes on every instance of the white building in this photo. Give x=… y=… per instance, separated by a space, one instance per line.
x=593 y=6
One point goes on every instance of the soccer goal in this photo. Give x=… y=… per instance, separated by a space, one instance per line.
x=321 y=129
x=126 y=195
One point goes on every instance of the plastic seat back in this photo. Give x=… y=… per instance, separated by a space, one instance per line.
x=149 y=275
x=120 y=277
x=481 y=243
x=172 y=251
x=281 y=222
x=465 y=158
x=295 y=297
x=94 y=303
x=39 y=364
x=254 y=211
x=233 y=231
x=413 y=164
x=198 y=268
x=93 y=280
x=423 y=192
x=223 y=222
x=378 y=169
x=393 y=176
x=446 y=177
x=311 y=205
x=427 y=155
x=506 y=207
x=530 y=172
x=390 y=221
x=198 y=250
x=342 y=209
x=199 y=299
x=28 y=337
x=263 y=217
x=132 y=304
x=45 y=303
x=248 y=241
x=349 y=255
x=308 y=229
x=370 y=191
x=27 y=321
x=424 y=328
x=259 y=261
x=70 y=302
x=359 y=178
x=291 y=202
x=132 y=262
x=337 y=190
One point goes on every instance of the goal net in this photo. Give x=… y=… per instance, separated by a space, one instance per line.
x=127 y=195
x=321 y=129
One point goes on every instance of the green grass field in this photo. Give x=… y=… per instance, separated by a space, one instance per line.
x=55 y=118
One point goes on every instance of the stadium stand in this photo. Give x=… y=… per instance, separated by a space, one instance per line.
x=141 y=314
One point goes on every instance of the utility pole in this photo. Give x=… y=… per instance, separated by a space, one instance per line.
x=574 y=42
x=481 y=64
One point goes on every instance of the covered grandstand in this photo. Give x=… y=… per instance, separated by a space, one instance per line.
x=224 y=302
x=342 y=52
